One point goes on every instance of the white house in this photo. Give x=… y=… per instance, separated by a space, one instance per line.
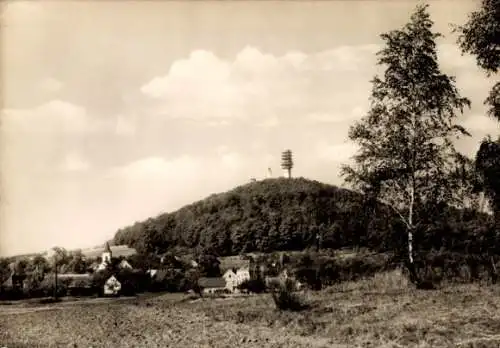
x=112 y=286
x=231 y=280
x=152 y=272
x=243 y=274
x=125 y=265
x=234 y=279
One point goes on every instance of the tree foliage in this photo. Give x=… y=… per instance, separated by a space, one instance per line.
x=406 y=155
x=480 y=36
x=285 y=214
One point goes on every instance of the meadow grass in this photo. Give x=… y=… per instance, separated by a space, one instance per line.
x=381 y=311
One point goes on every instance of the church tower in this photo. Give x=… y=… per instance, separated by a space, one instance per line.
x=106 y=255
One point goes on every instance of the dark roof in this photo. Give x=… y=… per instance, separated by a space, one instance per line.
x=215 y=282
x=232 y=262
x=81 y=282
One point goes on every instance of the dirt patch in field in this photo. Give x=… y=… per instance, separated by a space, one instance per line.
x=147 y=323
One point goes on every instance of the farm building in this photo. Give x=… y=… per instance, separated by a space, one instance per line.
x=233 y=262
x=231 y=281
x=82 y=284
x=234 y=278
x=213 y=285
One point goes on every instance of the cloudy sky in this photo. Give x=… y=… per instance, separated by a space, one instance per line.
x=117 y=111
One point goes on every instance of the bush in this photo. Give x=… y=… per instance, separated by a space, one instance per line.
x=256 y=286
x=286 y=299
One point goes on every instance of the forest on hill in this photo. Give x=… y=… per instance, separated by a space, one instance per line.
x=296 y=214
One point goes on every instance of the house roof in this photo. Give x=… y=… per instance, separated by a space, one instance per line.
x=73 y=276
x=112 y=279
x=215 y=282
x=125 y=263
x=81 y=282
x=233 y=262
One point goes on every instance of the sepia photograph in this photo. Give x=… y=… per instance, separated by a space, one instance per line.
x=218 y=174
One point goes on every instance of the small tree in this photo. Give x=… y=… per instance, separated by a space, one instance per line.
x=285 y=298
x=59 y=257
x=406 y=157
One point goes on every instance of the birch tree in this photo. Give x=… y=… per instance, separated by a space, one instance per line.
x=406 y=157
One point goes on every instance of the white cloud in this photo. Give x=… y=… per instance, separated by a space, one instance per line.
x=55 y=116
x=259 y=86
x=335 y=152
x=329 y=86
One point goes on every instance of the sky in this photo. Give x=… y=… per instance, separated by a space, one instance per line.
x=113 y=112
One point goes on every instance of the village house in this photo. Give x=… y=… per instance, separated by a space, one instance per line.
x=152 y=272
x=231 y=281
x=213 y=285
x=234 y=278
x=124 y=264
x=112 y=286
x=79 y=284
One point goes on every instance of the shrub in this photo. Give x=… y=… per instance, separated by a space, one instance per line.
x=253 y=285
x=286 y=299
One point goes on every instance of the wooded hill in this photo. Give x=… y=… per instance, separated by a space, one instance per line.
x=295 y=214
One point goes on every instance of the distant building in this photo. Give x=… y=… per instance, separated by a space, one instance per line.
x=106 y=258
x=235 y=278
x=79 y=284
x=124 y=264
x=152 y=272
x=213 y=285
x=112 y=286
x=230 y=280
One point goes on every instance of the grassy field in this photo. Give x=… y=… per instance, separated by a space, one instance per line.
x=377 y=312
